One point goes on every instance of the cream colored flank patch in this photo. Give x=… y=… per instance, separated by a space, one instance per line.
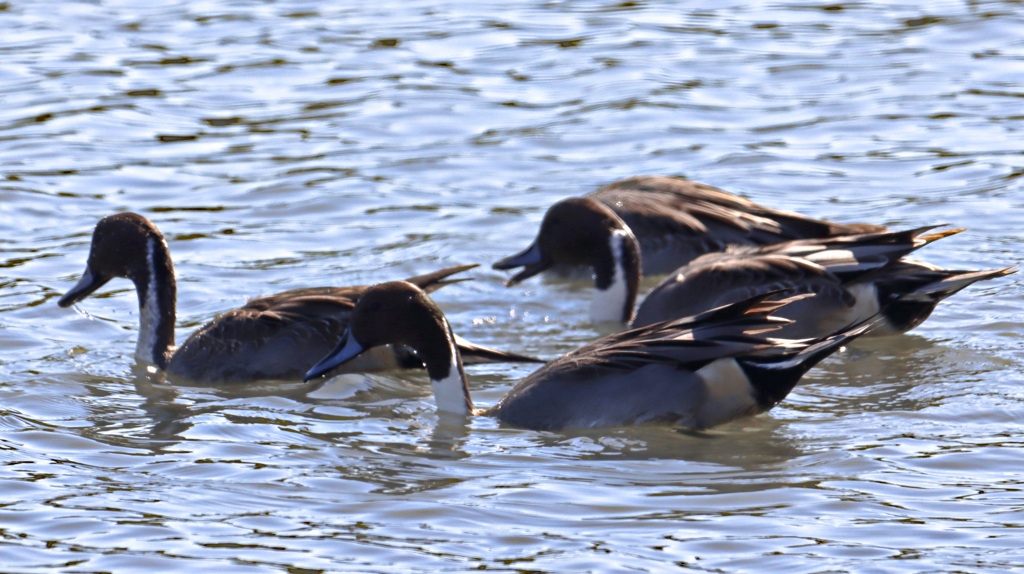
x=866 y=296
x=730 y=393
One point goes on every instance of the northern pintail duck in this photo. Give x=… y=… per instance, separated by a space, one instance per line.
x=852 y=278
x=273 y=337
x=695 y=372
x=856 y=275
x=676 y=220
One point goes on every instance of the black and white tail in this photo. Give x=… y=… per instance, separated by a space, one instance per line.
x=909 y=295
x=774 y=374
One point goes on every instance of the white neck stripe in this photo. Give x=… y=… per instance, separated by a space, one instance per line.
x=149 y=313
x=451 y=393
x=610 y=304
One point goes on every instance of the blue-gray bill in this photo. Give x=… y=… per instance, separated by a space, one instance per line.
x=346 y=350
x=531 y=259
x=88 y=284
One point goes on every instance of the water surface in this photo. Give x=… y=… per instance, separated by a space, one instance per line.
x=284 y=144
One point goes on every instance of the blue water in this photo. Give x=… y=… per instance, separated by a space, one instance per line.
x=284 y=144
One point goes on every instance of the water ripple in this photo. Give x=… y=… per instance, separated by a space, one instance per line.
x=295 y=143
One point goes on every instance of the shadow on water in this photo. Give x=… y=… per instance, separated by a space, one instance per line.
x=151 y=418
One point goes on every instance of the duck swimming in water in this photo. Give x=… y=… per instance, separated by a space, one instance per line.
x=695 y=372
x=275 y=337
x=675 y=220
x=855 y=275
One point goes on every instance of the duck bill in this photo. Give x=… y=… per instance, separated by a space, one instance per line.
x=346 y=350
x=531 y=260
x=86 y=286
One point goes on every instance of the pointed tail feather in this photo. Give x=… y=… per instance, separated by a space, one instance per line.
x=952 y=282
x=858 y=255
x=910 y=292
x=881 y=257
x=774 y=374
x=431 y=282
x=939 y=234
x=473 y=354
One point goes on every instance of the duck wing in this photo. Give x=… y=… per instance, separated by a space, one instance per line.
x=718 y=279
x=676 y=220
x=273 y=337
x=695 y=372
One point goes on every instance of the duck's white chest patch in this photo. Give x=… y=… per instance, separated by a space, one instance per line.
x=450 y=392
x=729 y=392
x=609 y=304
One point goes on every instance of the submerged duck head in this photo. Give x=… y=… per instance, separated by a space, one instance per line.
x=574 y=232
x=400 y=313
x=395 y=313
x=123 y=245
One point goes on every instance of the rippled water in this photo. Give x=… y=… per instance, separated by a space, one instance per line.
x=287 y=144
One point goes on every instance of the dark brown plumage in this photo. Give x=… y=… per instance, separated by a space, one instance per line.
x=676 y=220
x=275 y=337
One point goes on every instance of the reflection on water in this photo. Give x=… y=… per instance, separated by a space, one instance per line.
x=291 y=144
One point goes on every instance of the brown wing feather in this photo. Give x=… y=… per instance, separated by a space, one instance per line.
x=686 y=343
x=274 y=337
x=677 y=206
x=281 y=336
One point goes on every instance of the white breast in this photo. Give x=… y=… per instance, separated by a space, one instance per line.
x=149 y=321
x=608 y=304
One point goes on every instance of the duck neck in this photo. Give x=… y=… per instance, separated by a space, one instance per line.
x=444 y=366
x=617 y=279
x=157 y=298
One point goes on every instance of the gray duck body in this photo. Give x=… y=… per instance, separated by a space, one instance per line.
x=695 y=372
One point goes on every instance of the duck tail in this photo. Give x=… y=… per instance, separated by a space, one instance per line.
x=433 y=281
x=875 y=254
x=951 y=282
x=473 y=354
x=926 y=239
x=910 y=292
x=775 y=373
